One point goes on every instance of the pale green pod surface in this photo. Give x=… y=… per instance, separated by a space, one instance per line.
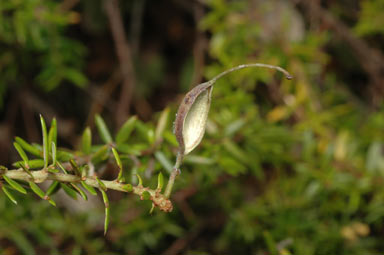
x=192 y=117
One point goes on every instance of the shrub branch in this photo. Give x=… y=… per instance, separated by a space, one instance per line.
x=40 y=176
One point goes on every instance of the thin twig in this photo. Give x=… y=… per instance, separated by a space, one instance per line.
x=285 y=72
x=124 y=54
x=101 y=96
x=136 y=24
x=175 y=172
x=199 y=46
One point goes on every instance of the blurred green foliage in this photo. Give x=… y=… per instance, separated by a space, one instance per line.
x=371 y=20
x=34 y=43
x=286 y=167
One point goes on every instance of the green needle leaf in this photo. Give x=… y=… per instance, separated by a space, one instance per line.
x=33 y=163
x=126 y=130
x=51 y=201
x=63 y=155
x=80 y=191
x=52 y=135
x=152 y=208
x=27 y=170
x=53 y=150
x=70 y=191
x=101 y=184
x=9 y=195
x=100 y=155
x=161 y=125
x=75 y=167
x=160 y=181
x=14 y=184
x=53 y=170
x=117 y=157
x=22 y=154
x=45 y=141
x=37 y=190
x=41 y=193
x=106 y=204
x=164 y=161
x=52 y=188
x=27 y=147
x=89 y=188
x=119 y=164
x=103 y=130
x=62 y=168
x=106 y=220
x=86 y=141
x=140 y=180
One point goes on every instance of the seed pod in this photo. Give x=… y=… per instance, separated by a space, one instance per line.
x=192 y=117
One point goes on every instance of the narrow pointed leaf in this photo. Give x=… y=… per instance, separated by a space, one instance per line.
x=80 y=191
x=52 y=134
x=117 y=158
x=53 y=170
x=75 y=167
x=86 y=141
x=62 y=168
x=106 y=204
x=70 y=191
x=101 y=184
x=160 y=181
x=161 y=124
x=26 y=170
x=9 y=195
x=100 y=155
x=52 y=188
x=84 y=170
x=140 y=180
x=126 y=130
x=164 y=161
x=119 y=164
x=53 y=152
x=45 y=141
x=27 y=147
x=145 y=131
x=89 y=188
x=37 y=190
x=103 y=130
x=63 y=155
x=106 y=220
x=51 y=201
x=14 y=184
x=152 y=208
x=21 y=153
x=33 y=163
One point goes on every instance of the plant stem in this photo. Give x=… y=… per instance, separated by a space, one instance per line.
x=39 y=176
x=278 y=68
x=174 y=174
